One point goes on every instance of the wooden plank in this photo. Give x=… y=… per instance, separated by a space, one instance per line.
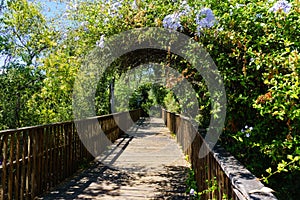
x=1 y=161
x=40 y=172
x=45 y=159
x=24 y=165
x=60 y=149
x=51 y=156
x=69 y=149
x=4 y=167
x=73 y=146
x=29 y=168
x=65 y=151
x=56 y=155
x=34 y=163
x=17 y=174
x=11 y=170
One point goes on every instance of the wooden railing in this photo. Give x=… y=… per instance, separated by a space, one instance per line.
x=35 y=159
x=233 y=180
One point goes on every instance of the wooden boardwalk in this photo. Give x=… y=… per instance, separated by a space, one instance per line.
x=145 y=163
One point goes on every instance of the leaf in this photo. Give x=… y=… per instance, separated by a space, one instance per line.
x=290 y=157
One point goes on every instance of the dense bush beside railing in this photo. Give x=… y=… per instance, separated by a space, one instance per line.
x=35 y=159
x=256 y=48
x=217 y=166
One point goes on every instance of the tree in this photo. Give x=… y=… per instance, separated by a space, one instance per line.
x=25 y=37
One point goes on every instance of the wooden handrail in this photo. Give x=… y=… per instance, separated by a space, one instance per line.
x=37 y=158
x=233 y=179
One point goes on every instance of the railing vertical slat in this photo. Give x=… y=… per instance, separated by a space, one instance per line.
x=55 y=154
x=24 y=165
x=50 y=146
x=11 y=169
x=4 y=167
x=46 y=161
x=35 y=147
x=29 y=169
x=40 y=161
x=60 y=154
x=65 y=151
x=17 y=174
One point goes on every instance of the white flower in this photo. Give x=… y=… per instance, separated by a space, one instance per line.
x=221 y=29
x=76 y=38
x=250 y=128
x=83 y=24
x=258 y=16
x=100 y=43
x=114 y=9
x=246 y=127
x=238 y=5
x=283 y=5
x=134 y=5
x=192 y=192
x=248 y=134
x=65 y=35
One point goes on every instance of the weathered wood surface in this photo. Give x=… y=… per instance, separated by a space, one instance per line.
x=35 y=159
x=145 y=163
x=233 y=179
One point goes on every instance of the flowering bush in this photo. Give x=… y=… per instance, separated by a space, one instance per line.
x=283 y=5
x=255 y=45
x=205 y=19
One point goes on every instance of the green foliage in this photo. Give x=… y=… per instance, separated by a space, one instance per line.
x=192 y=186
x=255 y=49
x=191 y=181
x=140 y=98
x=172 y=103
x=257 y=53
x=17 y=85
x=24 y=38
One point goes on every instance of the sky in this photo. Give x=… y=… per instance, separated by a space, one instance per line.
x=50 y=9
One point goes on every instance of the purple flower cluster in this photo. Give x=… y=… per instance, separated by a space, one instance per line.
x=283 y=5
x=172 y=21
x=205 y=19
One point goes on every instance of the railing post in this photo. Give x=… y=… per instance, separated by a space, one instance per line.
x=34 y=163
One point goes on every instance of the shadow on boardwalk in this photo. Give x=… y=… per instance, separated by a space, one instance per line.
x=146 y=163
